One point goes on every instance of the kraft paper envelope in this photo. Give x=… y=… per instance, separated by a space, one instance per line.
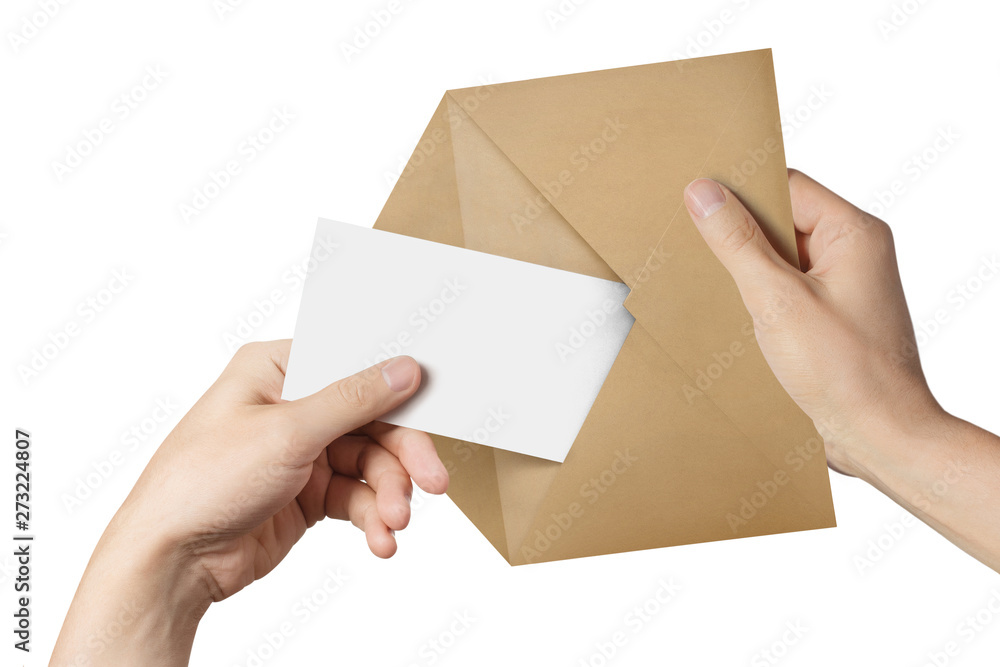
x=691 y=437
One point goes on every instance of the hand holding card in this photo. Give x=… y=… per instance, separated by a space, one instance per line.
x=513 y=354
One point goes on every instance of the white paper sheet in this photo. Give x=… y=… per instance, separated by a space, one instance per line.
x=513 y=354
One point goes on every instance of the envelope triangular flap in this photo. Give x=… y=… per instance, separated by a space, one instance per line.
x=459 y=189
x=492 y=194
x=424 y=204
x=424 y=201
x=612 y=149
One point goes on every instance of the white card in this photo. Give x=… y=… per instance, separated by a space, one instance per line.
x=513 y=354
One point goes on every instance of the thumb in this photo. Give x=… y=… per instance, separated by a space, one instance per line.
x=735 y=238
x=348 y=404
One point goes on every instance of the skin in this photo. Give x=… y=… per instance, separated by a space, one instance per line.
x=255 y=472
x=839 y=338
x=252 y=472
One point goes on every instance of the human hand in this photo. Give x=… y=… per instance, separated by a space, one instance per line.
x=244 y=474
x=837 y=333
x=232 y=489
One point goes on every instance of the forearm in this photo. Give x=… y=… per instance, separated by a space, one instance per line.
x=137 y=604
x=944 y=471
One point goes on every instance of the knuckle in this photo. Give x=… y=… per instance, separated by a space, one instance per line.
x=247 y=356
x=280 y=426
x=743 y=233
x=249 y=350
x=787 y=300
x=354 y=392
x=883 y=232
x=364 y=459
x=877 y=235
x=796 y=181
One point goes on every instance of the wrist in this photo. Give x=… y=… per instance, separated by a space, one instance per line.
x=139 y=602
x=907 y=452
x=163 y=567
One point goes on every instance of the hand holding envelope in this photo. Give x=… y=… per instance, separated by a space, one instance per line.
x=690 y=437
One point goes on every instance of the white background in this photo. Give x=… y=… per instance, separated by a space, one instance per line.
x=163 y=336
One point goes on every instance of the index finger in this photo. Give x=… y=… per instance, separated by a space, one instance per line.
x=813 y=203
x=415 y=450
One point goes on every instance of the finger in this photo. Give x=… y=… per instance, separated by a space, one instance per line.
x=319 y=419
x=802 y=244
x=360 y=456
x=829 y=220
x=256 y=372
x=736 y=239
x=812 y=202
x=415 y=451
x=350 y=499
x=312 y=497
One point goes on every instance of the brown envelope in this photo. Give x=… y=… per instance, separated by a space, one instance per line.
x=691 y=439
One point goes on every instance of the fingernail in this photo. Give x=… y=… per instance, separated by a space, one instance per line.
x=398 y=373
x=704 y=197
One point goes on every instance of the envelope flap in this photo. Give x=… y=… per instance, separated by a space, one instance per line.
x=612 y=150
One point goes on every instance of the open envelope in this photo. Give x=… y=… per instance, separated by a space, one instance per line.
x=691 y=438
